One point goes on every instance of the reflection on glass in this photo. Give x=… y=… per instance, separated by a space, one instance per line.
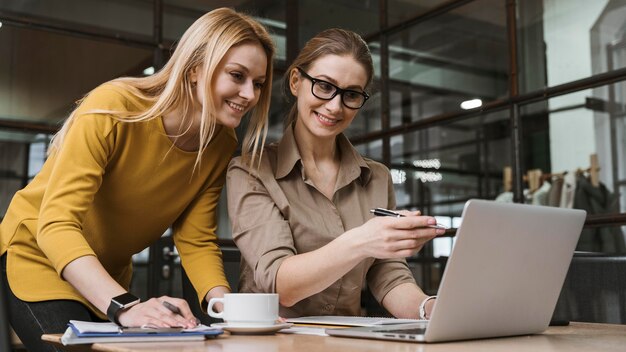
x=120 y=16
x=21 y=157
x=42 y=82
x=372 y=150
x=566 y=40
x=564 y=132
x=368 y=118
x=316 y=15
x=37 y=154
x=574 y=148
x=439 y=168
x=437 y=64
x=178 y=16
x=402 y=10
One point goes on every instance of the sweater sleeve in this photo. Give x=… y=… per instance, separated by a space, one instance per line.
x=78 y=168
x=196 y=240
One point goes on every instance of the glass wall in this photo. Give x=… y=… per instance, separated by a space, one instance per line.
x=579 y=167
x=317 y=15
x=44 y=73
x=21 y=155
x=50 y=56
x=439 y=63
x=563 y=41
x=445 y=56
x=123 y=17
x=479 y=96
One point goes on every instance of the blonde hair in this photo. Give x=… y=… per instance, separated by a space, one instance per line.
x=203 y=45
x=333 y=41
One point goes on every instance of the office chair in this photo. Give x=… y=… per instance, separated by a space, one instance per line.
x=5 y=337
x=594 y=290
x=231 y=257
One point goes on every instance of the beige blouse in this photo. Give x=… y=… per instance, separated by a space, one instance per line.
x=277 y=212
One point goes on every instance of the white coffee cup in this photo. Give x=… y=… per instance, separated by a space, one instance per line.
x=245 y=309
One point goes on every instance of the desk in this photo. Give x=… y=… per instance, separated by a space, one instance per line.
x=576 y=337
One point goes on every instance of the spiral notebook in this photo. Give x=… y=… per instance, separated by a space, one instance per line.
x=84 y=332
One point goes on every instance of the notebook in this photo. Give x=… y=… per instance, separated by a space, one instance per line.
x=83 y=332
x=503 y=277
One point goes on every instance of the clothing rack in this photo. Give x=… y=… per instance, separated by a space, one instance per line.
x=535 y=177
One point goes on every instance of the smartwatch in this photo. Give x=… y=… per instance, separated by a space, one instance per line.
x=120 y=303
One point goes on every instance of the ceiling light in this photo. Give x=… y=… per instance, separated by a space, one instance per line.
x=428 y=176
x=471 y=104
x=427 y=163
x=148 y=71
x=398 y=176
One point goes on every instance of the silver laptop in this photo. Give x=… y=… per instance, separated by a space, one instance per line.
x=503 y=277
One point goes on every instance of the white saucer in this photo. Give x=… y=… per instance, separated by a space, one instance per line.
x=252 y=329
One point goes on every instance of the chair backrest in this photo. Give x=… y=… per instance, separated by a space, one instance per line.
x=231 y=257
x=5 y=337
x=594 y=290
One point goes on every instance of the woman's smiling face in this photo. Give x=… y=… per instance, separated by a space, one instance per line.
x=237 y=83
x=327 y=118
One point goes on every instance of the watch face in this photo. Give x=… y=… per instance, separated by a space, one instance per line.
x=125 y=299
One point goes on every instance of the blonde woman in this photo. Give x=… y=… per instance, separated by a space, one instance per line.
x=302 y=219
x=136 y=156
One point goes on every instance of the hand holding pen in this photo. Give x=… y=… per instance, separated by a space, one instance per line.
x=176 y=310
x=384 y=238
x=161 y=312
x=387 y=212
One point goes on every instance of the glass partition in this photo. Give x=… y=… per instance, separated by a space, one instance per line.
x=316 y=15
x=131 y=16
x=565 y=40
x=455 y=61
x=179 y=15
x=21 y=157
x=437 y=169
x=45 y=73
x=581 y=167
x=399 y=11
x=368 y=118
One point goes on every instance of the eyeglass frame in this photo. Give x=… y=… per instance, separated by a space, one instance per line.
x=338 y=90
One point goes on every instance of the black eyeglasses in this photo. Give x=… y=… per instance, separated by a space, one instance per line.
x=321 y=89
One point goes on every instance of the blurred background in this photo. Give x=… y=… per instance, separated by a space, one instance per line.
x=518 y=101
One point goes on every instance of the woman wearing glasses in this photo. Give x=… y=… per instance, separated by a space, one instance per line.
x=302 y=219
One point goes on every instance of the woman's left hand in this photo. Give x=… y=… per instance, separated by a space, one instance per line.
x=154 y=313
x=428 y=307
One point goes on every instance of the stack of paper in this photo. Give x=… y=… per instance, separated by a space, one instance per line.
x=317 y=325
x=334 y=320
x=81 y=332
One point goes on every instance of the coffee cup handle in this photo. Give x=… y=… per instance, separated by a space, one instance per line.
x=210 y=310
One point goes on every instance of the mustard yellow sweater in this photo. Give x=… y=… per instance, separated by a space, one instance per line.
x=112 y=190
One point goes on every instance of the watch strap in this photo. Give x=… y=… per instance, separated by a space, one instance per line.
x=115 y=308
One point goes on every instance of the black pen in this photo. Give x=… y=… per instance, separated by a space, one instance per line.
x=176 y=310
x=387 y=212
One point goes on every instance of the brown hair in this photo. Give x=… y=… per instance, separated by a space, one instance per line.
x=334 y=41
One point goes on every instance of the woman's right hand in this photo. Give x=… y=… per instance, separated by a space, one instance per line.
x=390 y=237
x=154 y=313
